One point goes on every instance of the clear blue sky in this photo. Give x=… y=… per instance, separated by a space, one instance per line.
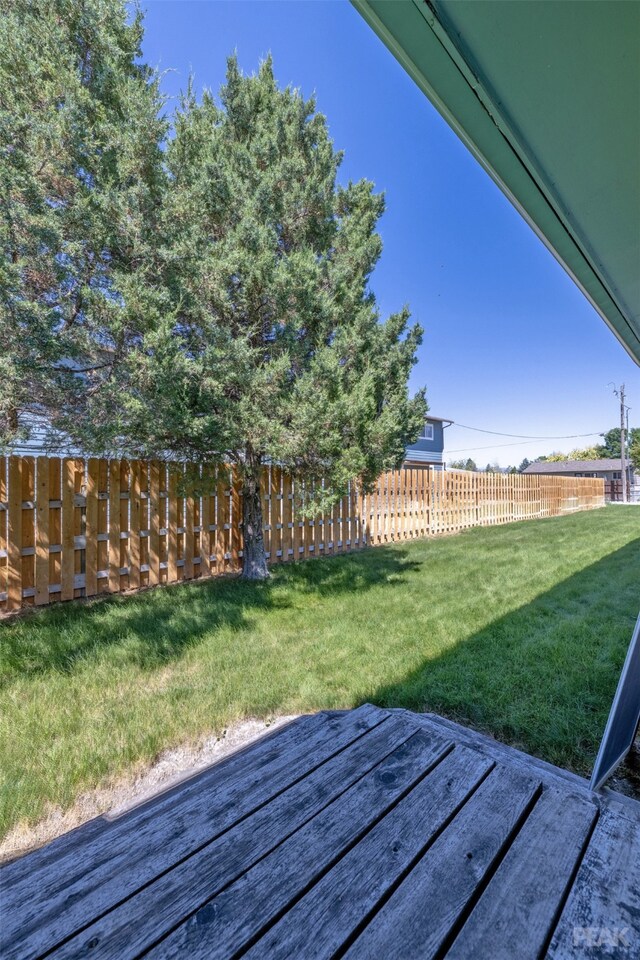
x=510 y=342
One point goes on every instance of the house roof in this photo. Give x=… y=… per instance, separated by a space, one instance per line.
x=573 y=466
x=547 y=98
x=430 y=416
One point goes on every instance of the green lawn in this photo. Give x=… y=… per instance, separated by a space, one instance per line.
x=520 y=630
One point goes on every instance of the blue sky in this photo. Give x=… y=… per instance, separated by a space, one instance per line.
x=510 y=343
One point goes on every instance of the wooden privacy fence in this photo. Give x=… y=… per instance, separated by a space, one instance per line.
x=76 y=528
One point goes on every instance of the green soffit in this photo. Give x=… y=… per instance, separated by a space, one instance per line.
x=547 y=97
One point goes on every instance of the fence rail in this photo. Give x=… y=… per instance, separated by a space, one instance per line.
x=77 y=528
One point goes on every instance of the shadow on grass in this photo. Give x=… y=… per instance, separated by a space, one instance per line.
x=543 y=676
x=155 y=627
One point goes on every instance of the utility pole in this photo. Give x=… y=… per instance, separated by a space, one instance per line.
x=623 y=442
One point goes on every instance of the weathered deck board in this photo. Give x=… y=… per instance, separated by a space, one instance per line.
x=430 y=900
x=49 y=905
x=358 y=882
x=271 y=887
x=363 y=834
x=521 y=900
x=602 y=914
x=158 y=908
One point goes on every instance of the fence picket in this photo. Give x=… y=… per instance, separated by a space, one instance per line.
x=205 y=523
x=67 y=561
x=235 y=520
x=14 y=535
x=42 y=532
x=172 y=524
x=91 y=530
x=134 y=526
x=153 y=552
x=189 y=522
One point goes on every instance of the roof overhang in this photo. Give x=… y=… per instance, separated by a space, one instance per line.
x=547 y=98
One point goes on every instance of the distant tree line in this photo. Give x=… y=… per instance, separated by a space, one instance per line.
x=609 y=449
x=471 y=465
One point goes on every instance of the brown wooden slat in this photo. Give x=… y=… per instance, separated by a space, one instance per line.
x=221 y=514
x=134 y=525
x=114 y=526
x=172 y=524
x=102 y=561
x=42 y=531
x=28 y=529
x=189 y=513
x=55 y=521
x=265 y=496
x=236 y=519
x=91 y=530
x=298 y=525
x=154 y=523
x=68 y=529
x=276 y=515
x=287 y=518
x=14 y=535
x=206 y=536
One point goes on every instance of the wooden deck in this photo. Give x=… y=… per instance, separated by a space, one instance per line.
x=365 y=834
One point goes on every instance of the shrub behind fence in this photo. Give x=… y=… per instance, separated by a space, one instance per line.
x=77 y=528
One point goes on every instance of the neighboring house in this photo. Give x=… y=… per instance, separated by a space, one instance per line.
x=609 y=470
x=428 y=449
x=39 y=443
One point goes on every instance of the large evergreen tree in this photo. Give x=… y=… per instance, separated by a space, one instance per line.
x=81 y=180
x=215 y=295
x=274 y=350
x=612 y=445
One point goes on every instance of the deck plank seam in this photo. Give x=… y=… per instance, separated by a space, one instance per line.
x=187 y=916
x=570 y=883
x=115 y=906
x=448 y=747
x=488 y=875
x=401 y=877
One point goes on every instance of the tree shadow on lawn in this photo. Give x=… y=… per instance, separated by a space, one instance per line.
x=153 y=628
x=543 y=676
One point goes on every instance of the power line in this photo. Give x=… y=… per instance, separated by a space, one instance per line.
x=524 y=436
x=495 y=446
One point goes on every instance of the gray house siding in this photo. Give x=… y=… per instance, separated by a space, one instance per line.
x=607 y=469
x=428 y=449
x=38 y=442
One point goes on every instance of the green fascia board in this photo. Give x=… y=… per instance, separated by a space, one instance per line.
x=419 y=40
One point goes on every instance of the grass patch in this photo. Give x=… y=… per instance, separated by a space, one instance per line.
x=519 y=630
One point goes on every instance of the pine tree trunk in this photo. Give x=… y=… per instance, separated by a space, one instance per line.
x=254 y=562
